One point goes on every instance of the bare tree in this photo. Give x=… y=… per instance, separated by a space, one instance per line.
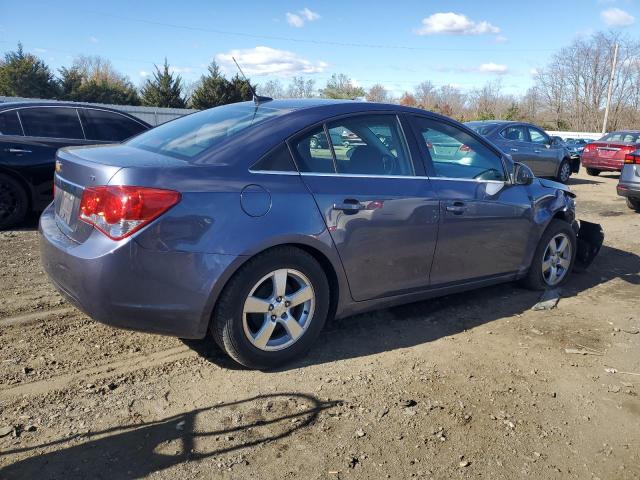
x=377 y=93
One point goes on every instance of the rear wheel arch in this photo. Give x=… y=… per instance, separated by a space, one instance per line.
x=322 y=259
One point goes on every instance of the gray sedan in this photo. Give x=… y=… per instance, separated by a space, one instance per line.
x=249 y=222
x=528 y=144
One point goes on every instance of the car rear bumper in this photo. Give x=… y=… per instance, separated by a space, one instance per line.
x=604 y=164
x=125 y=285
x=628 y=190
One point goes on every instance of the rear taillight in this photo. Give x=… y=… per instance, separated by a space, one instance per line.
x=119 y=211
x=587 y=149
x=632 y=158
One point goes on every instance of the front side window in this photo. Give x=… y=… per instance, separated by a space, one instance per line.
x=538 y=136
x=51 y=122
x=9 y=123
x=515 y=133
x=456 y=154
x=189 y=136
x=108 y=126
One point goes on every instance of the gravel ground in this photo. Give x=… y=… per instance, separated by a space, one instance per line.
x=469 y=385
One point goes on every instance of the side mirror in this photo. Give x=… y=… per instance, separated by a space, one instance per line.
x=522 y=175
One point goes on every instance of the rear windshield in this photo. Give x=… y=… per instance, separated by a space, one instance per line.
x=481 y=129
x=191 y=135
x=623 y=137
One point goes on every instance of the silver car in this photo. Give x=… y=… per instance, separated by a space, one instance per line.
x=528 y=144
x=629 y=183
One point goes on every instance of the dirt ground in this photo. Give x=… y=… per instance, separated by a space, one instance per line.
x=470 y=385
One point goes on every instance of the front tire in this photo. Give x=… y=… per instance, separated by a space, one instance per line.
x=554 y=257
x=272 y=309
x=594 y=172
x=14 y=202
x=633 y=204
x=564 y=171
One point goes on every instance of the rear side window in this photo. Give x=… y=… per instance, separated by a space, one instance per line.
x=456 y=154
x=51 y=122
x=314 y=152
x=108 y=126
x=277 y=160
x=515 y=133
x=626 y=137
x=9 y=123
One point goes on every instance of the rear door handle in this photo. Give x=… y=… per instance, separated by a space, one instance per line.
x=513 y=149
x=17 y=150
x=349 y=205
x=537 y=151
x=457 y=208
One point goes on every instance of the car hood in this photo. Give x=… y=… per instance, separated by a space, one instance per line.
x=556 y=186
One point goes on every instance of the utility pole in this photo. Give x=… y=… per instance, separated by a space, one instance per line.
x=613 y=74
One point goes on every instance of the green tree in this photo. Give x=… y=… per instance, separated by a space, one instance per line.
x=513 y=112
x=214 y=89
x=93 y=79
x=164 y=89
x=25 y=75
x=341 y=86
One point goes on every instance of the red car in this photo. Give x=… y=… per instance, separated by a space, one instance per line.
x=607 y=154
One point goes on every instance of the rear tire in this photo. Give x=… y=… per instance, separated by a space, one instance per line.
x=633 y=204
x=594 y=172
x=564 y=171
x=14 y=202
x=239 y=321
x=538 y=278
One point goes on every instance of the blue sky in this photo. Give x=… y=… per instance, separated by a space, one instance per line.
x=397 y=44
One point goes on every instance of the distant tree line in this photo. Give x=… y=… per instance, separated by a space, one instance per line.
x=569 y=93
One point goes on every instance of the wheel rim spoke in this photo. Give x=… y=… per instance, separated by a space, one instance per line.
x=553 y=248
x=264 y=334
x=563 y=245
x=301 y=296
x=293 y=328
x=564 y=263
x=256 y=305
x=546 y=265
x=280 y=282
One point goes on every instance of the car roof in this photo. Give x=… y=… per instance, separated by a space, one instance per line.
x=490 y=122
x=51 y=103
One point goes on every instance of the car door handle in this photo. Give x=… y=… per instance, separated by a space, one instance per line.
x=17 y=150
x=513 y=149
x=457 y=208
x=537 y=151
x=349 y=205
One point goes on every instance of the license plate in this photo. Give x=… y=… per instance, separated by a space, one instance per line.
x=606 y=153
x=66 y=207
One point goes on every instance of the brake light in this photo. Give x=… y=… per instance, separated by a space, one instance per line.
x=464 y=148
x=632 y=158
x=587 y=149
x=119 y=211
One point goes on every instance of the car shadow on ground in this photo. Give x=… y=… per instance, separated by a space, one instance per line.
x=423 y=322
x=140 y=449
x=582 y=181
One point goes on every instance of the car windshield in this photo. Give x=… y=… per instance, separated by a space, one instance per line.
x=623 y=137
x=191 y=135
x=481 y=129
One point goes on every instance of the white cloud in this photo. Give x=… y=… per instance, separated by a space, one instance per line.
x=270 y=61
x=143 y=73
x=93 y=40
x=40 y=50
x=616 y=17
x=533 y=72
x=299 y=18
x=454 y=24
x=501 y=39
x=491 y=67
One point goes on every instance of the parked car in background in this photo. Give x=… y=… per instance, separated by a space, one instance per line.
x=629 y=182
x=30 y=135
x=229 y=221
x=575 y=146
x=608 y=153
x=530 y=145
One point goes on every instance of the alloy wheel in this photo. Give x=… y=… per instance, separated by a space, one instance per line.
x=565 y=172
x=278 y=309
x=9 y=201
x=556 y=259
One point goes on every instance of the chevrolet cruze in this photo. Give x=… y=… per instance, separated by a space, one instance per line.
x=250 y=221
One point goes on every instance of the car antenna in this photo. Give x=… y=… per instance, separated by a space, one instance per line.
x=257 y=99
